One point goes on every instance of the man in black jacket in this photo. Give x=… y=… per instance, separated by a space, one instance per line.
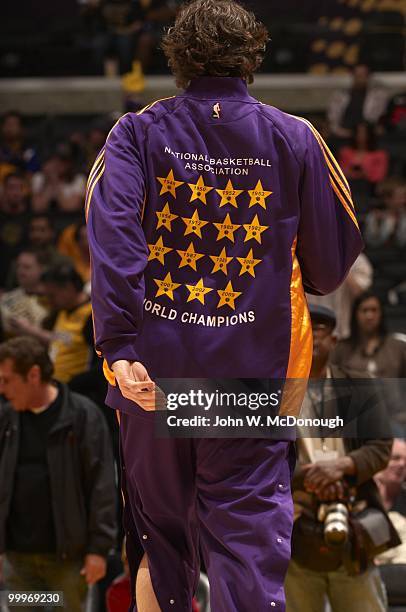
x=58 y=494
x=328 y=470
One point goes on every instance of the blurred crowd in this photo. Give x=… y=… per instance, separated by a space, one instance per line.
x=95 y=37
x=45 y=299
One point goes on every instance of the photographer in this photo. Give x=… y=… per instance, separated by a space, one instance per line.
x=340 y=522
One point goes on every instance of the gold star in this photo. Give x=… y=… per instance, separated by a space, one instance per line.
x=254 y=230
x=189 y=257
x=258 y=195
x=248 y=264
x=220 y=261
x=166 y=286
x=158 y=251
x=165 y=218
x=229 y=195
x=199 y=190
x=169 y=184
x=228 y=296
x=226 y=229
x=198 y=291
x=194 y=224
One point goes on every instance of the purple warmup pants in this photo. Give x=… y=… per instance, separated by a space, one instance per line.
x=230 y=495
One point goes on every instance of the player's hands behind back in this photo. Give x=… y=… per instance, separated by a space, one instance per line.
x=136 y=385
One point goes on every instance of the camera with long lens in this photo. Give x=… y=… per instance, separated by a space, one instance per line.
x=336 y=530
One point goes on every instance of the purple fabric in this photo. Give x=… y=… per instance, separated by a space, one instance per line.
x=236 y=493
x=151 y=179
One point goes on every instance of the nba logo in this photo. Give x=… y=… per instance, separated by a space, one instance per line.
x=216 y=111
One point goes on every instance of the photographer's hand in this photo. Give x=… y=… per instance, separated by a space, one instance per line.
x=331 y=492
x=322 y=473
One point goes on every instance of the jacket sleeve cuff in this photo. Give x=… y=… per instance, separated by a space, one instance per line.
x=113 y=350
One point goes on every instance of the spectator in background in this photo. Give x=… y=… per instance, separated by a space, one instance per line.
x=392 y=488
x=71 y=346
x=364 y=101
x=69 y=329
x=340 y=301
x=14 y=216
x=386 y=225
x=41 y=233
x=58 y=502
x=58 y=186
x=14 y=152
x=115 y=41
x=361 y=160
x=41 y=239
x=156 y=15
x=392 y=481
x=23 y=306
x=14 y=199
x=372 y=351
x=328 y=469
x=73 y=244
x=125 y=30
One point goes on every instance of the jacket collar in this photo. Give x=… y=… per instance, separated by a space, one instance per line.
x=65 y=416
x=211 y=88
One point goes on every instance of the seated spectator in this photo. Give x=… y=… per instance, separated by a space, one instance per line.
x=73 y=244
x=340 y=301
x=57 y=519
x=361 y=160
x=41 y=239
x=14 y=152
x=58 y=187
x=14 y=199
x=386 y=225
x=372 y=351
x=364 y=101
x=392 y=481
x=14 y=216
x=23 y=305
x=392 y=488
x=69 y=330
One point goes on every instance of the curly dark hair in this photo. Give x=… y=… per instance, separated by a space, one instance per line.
x=214 y=38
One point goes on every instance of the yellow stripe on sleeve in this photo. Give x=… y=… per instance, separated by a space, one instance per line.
x=340 y=189
x=333 y=159
x=328 y=156
x=95 y=167
x=343 y=201
x=151 y=104
x=99 y=165
x=90 y=193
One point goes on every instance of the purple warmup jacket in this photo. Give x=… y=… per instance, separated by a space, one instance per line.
x=209 y=216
